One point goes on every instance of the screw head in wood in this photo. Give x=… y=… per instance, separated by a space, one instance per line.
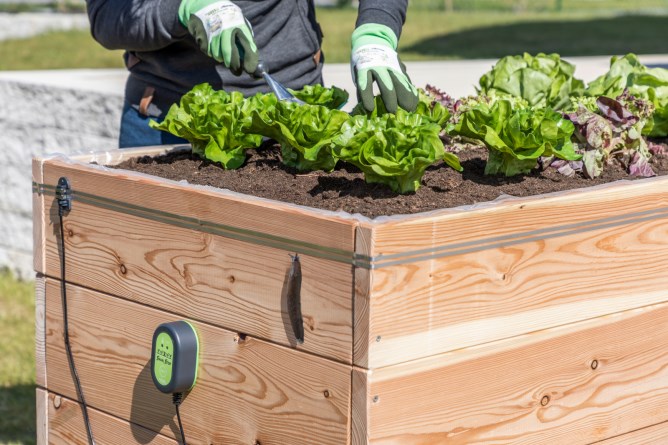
x=378 y=339
x=375 y=399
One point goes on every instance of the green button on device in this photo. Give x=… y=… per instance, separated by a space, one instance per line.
x=174 y=357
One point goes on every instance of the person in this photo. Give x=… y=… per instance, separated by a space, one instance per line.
x=172 y=45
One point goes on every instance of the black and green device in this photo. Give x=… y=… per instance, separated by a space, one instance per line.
x=174 y=357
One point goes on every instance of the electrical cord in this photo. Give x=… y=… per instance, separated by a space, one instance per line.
x=177 y=398
x=70 y=358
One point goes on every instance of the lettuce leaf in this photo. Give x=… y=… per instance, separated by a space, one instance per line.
x=393 y=149
x=650 y=84
x=333 y=98
x=215 y=123
x=430 y=109
x=305 y=132
x=517 y=136
x=543 y=80
x=614 y=130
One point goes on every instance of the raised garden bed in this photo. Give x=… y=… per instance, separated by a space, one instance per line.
x=541 y=319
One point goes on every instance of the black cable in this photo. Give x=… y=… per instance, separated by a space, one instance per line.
x=70 y=357
x=177 y=398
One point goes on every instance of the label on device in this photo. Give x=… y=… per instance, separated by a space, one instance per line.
x=164 y=358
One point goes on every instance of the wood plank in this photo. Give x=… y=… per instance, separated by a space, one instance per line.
x=509 y=218
x=225 y=282
x=66 y=427
x=653 y=435
x=574 y=384
x=437 y=305
x=247 y=389
x=38 y=219
x=362 y=304
x=40 y=330
x=207 y=204
x=360 y=409
x=42 y=417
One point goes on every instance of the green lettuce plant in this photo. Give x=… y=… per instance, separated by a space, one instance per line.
x=306 y=132
x=216 y=123
x=543 y=80
x=517 y=136
x=393 y=149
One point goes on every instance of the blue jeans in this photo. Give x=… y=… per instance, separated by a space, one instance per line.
x=135 y=131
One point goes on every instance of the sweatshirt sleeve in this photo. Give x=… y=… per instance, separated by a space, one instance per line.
x=135 y=25
x=391 y=13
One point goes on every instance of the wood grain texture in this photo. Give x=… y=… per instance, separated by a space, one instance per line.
x=513 y=216
x=225 y=282
x=66 y=427
x=207 y=204
x=433 y=306
x=361 y=400
x=574 y=384
x=247 y=389
x=42 y=417
x=39 y=222
x=653 y=435
x=362 y=292
x=40 y=330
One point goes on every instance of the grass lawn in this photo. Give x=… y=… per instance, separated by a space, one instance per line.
x=17 y=366
x=427 y=35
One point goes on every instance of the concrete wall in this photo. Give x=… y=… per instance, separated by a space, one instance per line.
x=36 y=119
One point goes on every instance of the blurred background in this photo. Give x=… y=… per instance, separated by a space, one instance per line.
x=60 y=91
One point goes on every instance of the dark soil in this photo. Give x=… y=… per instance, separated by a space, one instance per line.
x=344 y=189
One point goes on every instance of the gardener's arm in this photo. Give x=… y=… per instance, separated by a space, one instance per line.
x=135 y=25
x=374 y=57
x=218 y=26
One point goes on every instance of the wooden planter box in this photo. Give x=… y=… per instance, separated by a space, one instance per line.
x=540 y=320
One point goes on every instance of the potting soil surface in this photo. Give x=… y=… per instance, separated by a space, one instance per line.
x=265 y=176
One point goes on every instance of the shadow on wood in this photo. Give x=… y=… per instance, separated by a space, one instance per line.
x=147 y=398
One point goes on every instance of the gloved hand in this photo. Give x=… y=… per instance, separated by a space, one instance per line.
x=374 y=58
x=222 y=32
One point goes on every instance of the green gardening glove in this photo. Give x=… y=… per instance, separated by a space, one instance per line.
x=374 y=58
x=222 y=32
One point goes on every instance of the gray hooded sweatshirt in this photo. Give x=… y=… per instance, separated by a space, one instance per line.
x=165 y=61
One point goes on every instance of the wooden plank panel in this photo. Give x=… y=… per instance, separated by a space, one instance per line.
x=653 y=435
x=247 y=389
x=66 y=427
x=40 y=330
x=359 y=415
x=362 y=304
x=206 y=204
x=39 y=223
x=569 y=385
x=228 y=283
x=575 y=208
x=428 y=307
x=42 y=417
